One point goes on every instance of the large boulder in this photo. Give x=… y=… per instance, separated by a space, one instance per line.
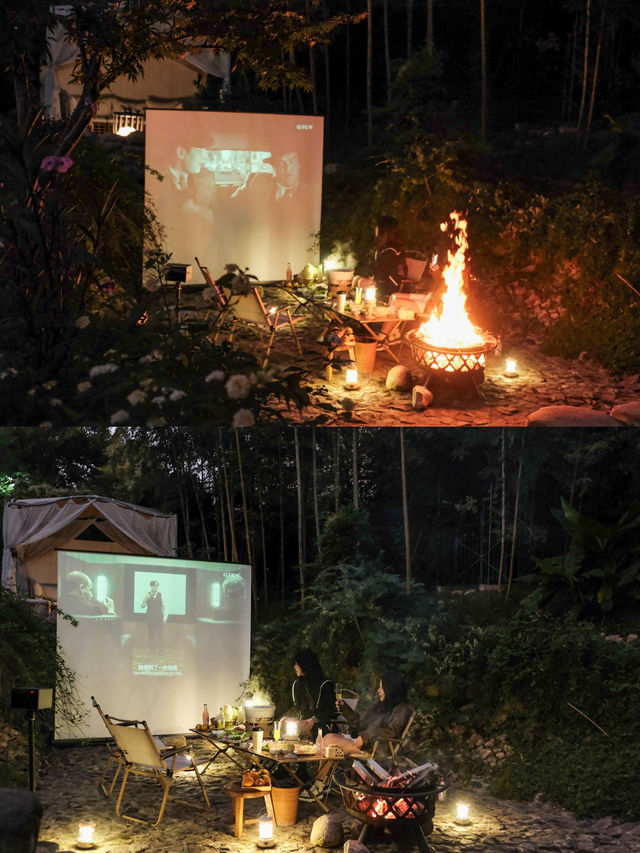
x=327 y=831
x=570 y=416
x=399 y=378
x=627 y=413
x=20 y=814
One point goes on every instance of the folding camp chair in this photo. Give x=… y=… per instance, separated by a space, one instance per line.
x=143 y=756
x=396 y=745
x=115 y=755
x=249 y=309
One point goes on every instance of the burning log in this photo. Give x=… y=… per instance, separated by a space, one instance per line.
x=392 y=805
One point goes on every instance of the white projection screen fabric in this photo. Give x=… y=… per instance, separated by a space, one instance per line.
x=179 y=636
x=236 y=188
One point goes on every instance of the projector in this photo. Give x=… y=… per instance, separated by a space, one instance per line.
x=32 y=698
x=333 y=751
x=178 y=272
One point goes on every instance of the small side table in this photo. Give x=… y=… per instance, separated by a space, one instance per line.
x=238 y=795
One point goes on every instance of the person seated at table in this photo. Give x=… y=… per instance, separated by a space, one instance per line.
x=314 y=696
x=387 y=718
x=390 y=263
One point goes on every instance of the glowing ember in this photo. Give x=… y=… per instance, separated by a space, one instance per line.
x=451 y=327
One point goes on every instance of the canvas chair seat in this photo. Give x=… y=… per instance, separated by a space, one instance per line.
x=395 y=746
x=249 y=310
x=142 y=754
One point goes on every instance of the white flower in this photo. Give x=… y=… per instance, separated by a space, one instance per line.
x=99 y=369
x=237 y=386
x=82 y=322
x=137 y=396
x=214 y=376
x=177 y=395
x=83 y=386
x=243 y=418
x=31 y=392
x=119 y=417
x=158 y=401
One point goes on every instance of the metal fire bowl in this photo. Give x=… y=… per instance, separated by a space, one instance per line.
x=357 y=800
x=458 y=361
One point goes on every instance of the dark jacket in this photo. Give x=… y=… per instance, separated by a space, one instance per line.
x=390 y=268
x=379 y=721
x=318 y=703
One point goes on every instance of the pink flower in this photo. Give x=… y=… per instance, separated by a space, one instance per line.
x=52 y=163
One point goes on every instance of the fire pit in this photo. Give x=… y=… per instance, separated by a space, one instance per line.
x=399 y=810
x=451 y=363
x=448 y=344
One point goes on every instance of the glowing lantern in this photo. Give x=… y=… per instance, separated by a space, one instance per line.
x=370 y=294
x=85 y=835
x=462 y=816
x=291 y=730
x=351 y=383
x=125 y=130
x=265 y=831
x=510 y=369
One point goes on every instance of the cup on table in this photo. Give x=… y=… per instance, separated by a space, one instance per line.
x=276 y=731
x=339 y=690
x=342 y=300
x=256 y=739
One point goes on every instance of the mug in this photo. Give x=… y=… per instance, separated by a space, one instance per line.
x=256 y=739
x=342 y=300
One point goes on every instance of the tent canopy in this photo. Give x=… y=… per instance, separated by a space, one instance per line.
x=35 y=527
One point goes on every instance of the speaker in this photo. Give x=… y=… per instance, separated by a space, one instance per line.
x=32 y=698
x=179 y=272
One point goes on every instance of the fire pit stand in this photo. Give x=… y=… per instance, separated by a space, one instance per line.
x=400 y=810
x=451 y=366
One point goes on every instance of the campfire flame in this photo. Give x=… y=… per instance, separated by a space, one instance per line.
x=450 y=326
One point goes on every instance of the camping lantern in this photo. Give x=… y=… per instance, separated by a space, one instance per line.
x=462 y=815
x=370 y=294
x=291 y=730
x=85 y=835
x=351 y=383
x=510 y=369
x=265 y=831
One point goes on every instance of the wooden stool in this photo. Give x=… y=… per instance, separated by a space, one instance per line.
x=339 y=340
x=238 y=795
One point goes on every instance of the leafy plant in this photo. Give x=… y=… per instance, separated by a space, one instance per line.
x=601 y=567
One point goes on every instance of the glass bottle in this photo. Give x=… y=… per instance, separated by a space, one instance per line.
x=205 y=716
x=289 y=271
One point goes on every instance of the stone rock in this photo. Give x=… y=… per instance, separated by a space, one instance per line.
x=398 y=378
x=421 y=397
x=327 y=831
x=353 y=846
x=627 y=413
x=570 y=416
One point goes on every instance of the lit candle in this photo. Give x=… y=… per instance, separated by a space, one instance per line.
x=265 y=831
x=352 y=376
x=85 y=834
x=510 y=369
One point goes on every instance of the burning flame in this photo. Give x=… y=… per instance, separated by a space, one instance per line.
x=451 y=327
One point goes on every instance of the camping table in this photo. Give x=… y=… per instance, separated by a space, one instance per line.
x=374 y=324
x=269 y=760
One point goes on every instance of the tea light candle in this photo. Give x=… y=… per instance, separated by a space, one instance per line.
x=85 y=835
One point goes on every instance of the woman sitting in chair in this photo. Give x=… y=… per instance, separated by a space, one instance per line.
x=386 y=719
x=314 y=696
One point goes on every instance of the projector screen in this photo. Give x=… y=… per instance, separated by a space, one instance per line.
x=156 y=638
x=236 y=188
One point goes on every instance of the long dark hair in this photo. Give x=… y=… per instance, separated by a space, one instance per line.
x=311 y=668
x=395 y=689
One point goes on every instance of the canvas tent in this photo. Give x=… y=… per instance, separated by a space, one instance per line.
x=163 y=83
x=33 y=530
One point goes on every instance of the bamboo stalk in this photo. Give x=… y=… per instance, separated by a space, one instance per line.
x=587 y=718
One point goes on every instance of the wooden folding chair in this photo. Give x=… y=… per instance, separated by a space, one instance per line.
x=396 y=745
x=249 y=309
x=142 y=756
x=115 y=756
